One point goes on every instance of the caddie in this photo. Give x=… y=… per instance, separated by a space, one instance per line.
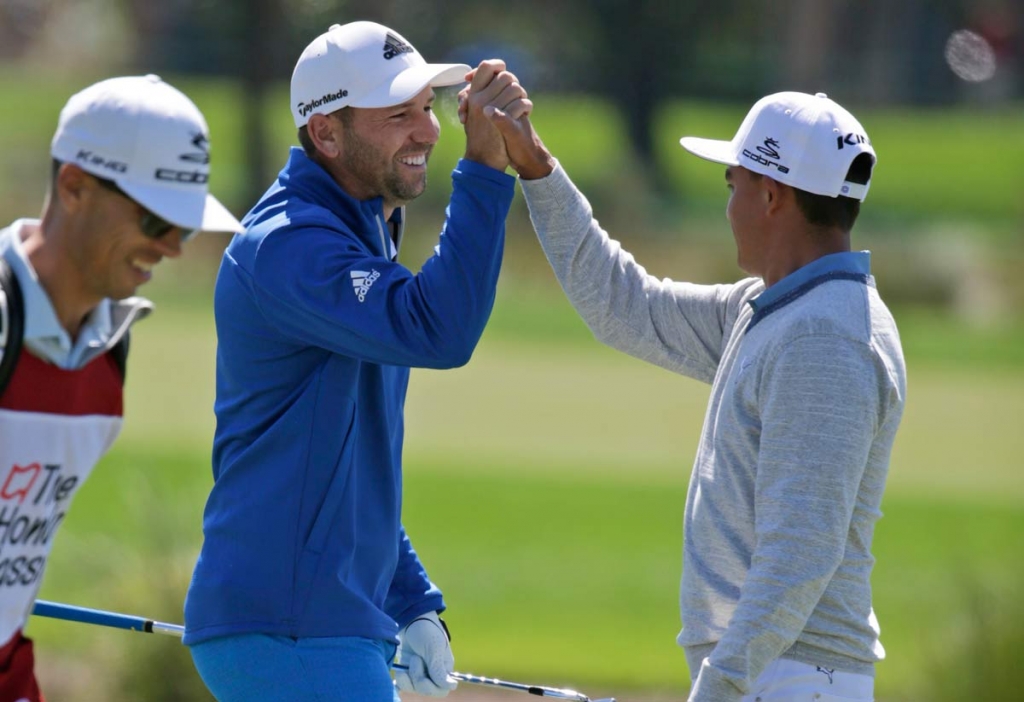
x=131 y=160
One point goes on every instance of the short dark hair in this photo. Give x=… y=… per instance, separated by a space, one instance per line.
x=54 y=170
x=105 y=182
x=841 y=212
x=307 y=143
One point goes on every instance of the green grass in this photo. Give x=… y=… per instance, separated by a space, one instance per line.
x=933 y=555
x=577 y=580
x=552 y=574
x=929 y=337
x=545 y=488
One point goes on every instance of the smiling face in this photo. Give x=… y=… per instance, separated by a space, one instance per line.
x=383 y=152
x=108 y=247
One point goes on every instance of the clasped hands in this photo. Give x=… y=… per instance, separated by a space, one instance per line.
x=495 y=110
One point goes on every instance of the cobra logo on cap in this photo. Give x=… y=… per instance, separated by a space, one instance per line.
x=201 y=157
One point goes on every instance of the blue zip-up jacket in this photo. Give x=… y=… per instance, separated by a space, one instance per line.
x=317 y=328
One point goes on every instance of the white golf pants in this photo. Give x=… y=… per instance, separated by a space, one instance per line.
x=790 y=681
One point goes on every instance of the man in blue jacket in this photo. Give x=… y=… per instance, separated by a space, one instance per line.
x=306 y=580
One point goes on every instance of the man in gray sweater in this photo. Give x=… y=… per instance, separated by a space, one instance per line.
x=808 y=388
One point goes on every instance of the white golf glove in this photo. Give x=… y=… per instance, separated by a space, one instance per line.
x=423 y=646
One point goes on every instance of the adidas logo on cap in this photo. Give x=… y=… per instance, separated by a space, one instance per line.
x=361 y=281
x=393 y=46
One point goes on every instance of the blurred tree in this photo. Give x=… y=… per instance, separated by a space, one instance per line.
x=635 y=53
x=20 y=22
x=151 y=20
x=646 y=45
x=260 y=21
x=242 y=40
x=810 y=37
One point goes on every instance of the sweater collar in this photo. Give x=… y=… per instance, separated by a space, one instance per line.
x=857 y=262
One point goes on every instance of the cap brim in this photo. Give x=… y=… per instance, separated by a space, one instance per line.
x=407 y=84
x=217 y=218
x=185 y=208
x=711 y=150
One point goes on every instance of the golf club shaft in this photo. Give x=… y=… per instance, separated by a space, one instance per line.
x=531 y=689
x=86 y=615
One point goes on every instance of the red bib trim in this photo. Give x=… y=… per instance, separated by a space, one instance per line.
x=38 y=386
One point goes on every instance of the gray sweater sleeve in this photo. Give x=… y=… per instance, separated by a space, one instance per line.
x=678 y=326
x=820 y=405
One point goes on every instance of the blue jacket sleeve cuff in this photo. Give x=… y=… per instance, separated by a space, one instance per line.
x=431 y=604
x=478 y=170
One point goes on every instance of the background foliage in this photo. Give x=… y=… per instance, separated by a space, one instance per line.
x=546 y=479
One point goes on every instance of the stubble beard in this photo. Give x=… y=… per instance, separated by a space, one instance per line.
x=398 y=191
x=378 y=172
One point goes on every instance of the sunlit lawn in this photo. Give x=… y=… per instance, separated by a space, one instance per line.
x=545 y=487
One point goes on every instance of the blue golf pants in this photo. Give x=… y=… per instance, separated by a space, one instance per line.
x=252 y=667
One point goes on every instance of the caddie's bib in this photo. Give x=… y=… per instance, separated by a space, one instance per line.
x=54 y=426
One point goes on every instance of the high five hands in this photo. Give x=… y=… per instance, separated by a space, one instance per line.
x=495 y=110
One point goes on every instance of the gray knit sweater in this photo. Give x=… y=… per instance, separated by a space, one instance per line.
x=807 y=394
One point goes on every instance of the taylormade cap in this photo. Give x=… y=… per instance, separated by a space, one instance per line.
x=805 y=141
x=152 y=141
x=363 y=64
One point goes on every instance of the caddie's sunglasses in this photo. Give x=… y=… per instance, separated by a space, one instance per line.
x=151 y=225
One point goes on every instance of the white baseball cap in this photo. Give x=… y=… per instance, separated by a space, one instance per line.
x=363 y=64
x=805 y=141
x=152 y=141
